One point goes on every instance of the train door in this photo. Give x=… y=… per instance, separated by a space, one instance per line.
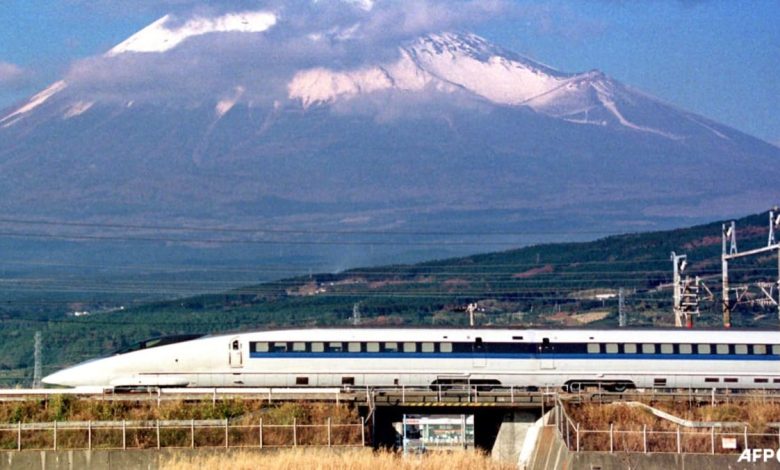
x=479 y=357
x=546 y=351
x=235 y=356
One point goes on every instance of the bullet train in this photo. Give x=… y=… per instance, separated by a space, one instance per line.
x=443 y=357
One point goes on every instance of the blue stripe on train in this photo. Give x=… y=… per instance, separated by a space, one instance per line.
x=382 y=355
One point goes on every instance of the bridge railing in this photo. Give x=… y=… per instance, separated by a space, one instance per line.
x=458 y=395
x=159 y=434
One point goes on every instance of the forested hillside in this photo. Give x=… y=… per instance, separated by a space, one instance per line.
x=573 y=284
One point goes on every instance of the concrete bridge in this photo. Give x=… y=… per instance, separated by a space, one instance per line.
x=514 y=425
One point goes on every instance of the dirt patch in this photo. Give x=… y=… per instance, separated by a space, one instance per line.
x=585 y=318
x=546 y=269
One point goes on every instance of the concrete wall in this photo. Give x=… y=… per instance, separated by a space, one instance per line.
x=148 y=459
x=511 y=435
x=621 y=461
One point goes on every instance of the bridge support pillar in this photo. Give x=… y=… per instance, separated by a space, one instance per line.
x=511 y=435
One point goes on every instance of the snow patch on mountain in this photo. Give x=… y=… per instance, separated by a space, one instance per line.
x=471 y=62
x=447 y=61
x=78 y=108
x=323 y=85
x=710 y=128
x=33 y=103
x=605 y=97
x=226 y=104
x=160 y=36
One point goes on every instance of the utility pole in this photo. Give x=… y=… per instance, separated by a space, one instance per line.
x=356 y=314
x=724 y=262
x=774 y=223
x=678 y=266
x=470 y=309
x=37 y=358
x=621 y=309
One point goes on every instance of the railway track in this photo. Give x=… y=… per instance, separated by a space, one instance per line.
x=398 y=396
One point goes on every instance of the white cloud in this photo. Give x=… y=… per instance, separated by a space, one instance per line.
x=200 y=54
x=10 y=74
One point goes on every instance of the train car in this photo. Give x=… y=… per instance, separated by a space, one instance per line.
x=443 y=357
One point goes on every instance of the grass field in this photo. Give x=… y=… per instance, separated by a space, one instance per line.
x=325 y=459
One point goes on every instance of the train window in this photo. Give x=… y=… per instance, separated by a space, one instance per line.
x=279 y=347
x=711 y=379
x=761 y=381
x=667 y=348
x=759 y=349
x=353 y=347
x=372 y=347
x=731 y=380
x=659 y=382
x=722 y=348
x=335 y=347
x=629 y=348
x=347 y=381
x=391 y=347
x=776 y=349
x=685 y=348
x=301 y=381
x=235 y=345
x=426 y=347
x=740 y=349
x=261 y=347
x=648 y=348
x=445 y=347
x=317 y=347
x=612 y=348
x=410 y=347
x=704 y=349
x=299 y=347
x=594 y=348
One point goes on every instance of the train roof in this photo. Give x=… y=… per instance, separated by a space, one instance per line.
x=679 y=335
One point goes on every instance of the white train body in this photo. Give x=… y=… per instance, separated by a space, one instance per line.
x=421 y=357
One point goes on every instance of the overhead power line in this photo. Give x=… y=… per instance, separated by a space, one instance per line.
x=192 y=228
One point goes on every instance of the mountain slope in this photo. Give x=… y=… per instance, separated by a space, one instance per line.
x=450 y=134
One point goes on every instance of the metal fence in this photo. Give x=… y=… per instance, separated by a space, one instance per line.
x=159 y=434
x=700 y=440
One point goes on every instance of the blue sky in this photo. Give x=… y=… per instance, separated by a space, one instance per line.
x=720 y=59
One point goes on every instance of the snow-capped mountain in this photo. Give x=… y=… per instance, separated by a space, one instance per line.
x=448 y=130
x=446 y=61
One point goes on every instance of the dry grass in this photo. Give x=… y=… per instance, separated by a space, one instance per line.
x=326 y=459
x=66 y=408
x=244 y=417
x=628 y=423
x=755 y=412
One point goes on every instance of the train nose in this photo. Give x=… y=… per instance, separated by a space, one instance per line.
x=58 y=378
x=63 y=378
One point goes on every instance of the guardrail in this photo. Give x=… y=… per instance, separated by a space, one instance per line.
x=89 y=435
x=718 y=438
